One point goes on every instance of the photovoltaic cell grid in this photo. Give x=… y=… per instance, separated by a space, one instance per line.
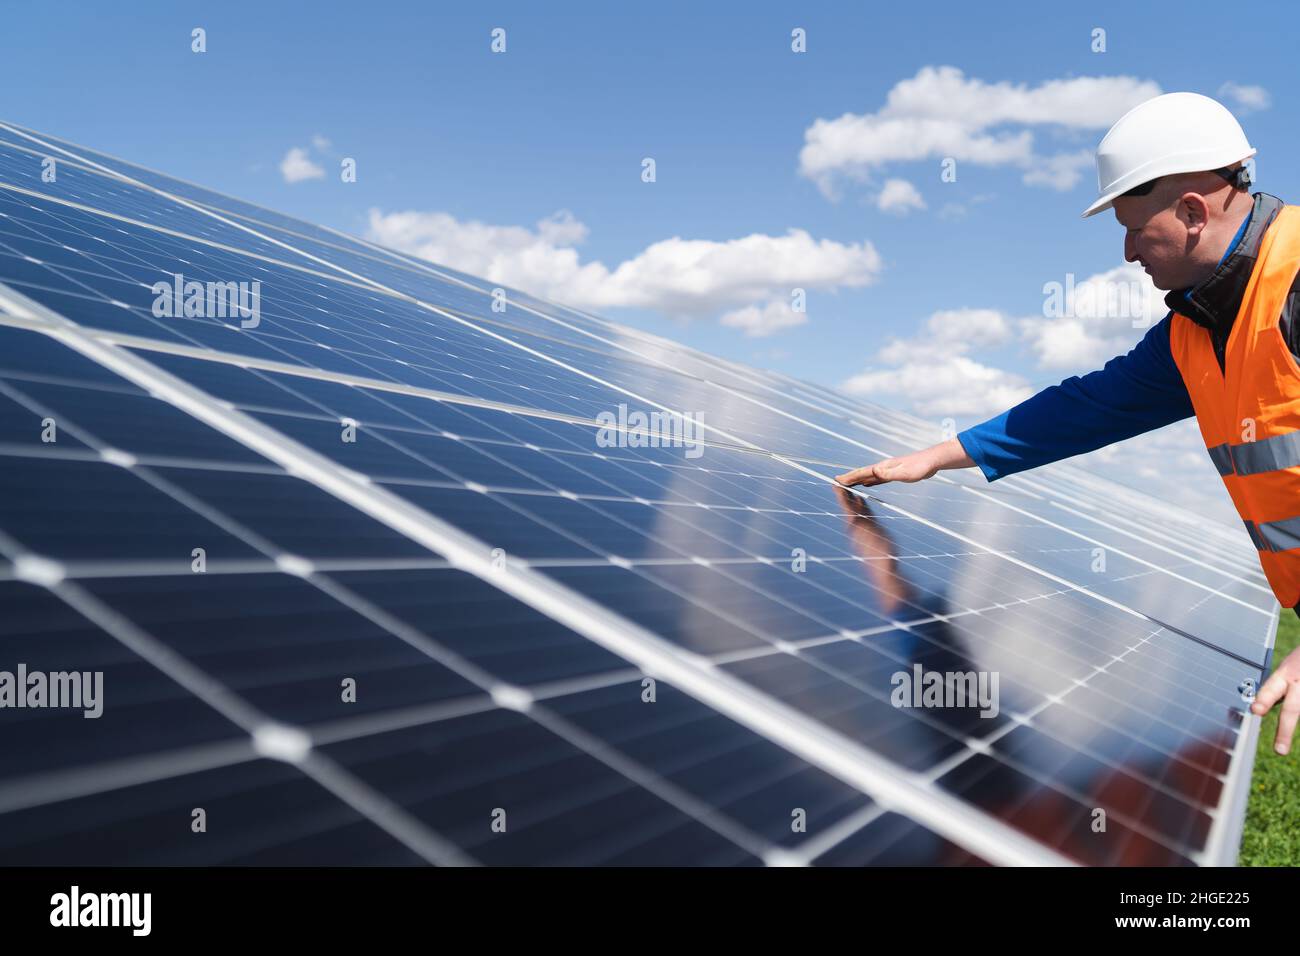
x=608 y=647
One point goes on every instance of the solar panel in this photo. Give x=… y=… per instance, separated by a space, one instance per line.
x=379 y=573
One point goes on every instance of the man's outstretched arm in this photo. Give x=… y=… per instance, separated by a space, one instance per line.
x=1133 y=393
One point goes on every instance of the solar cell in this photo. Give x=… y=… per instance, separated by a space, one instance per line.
x=385 y=576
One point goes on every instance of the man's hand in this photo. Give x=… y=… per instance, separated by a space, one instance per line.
x=1283 y=683
x=917 y=466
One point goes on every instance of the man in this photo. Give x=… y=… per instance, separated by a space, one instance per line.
x=1228 y=352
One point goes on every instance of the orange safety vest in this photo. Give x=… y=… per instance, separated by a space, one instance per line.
x=1250 y=413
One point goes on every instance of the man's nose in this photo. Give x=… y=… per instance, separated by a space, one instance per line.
x=1130 y=250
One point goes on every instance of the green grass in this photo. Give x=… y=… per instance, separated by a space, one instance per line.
x=1272 y=833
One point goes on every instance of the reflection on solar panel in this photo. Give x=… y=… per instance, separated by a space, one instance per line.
x=364 y=569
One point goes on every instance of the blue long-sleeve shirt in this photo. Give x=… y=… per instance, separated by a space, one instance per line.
x=1131 y=394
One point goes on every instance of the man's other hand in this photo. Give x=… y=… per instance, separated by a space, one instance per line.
x=1284 y=685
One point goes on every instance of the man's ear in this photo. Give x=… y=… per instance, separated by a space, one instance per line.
x=1195 y=211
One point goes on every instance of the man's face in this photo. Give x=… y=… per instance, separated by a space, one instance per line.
x=1157 y=238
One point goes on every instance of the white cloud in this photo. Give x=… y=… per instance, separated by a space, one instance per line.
x=1089 y=321
x=948 y=331
x=941 y=113
x=932 y=374
x=562 y=229
x=1059 y=172
x=919 y=350
x=899 y=196
x=1248 y=99
x=1083 y=324
x=320 y=143
x=685 y=278
x=761 y=321
x=970 y=327
x=298 y=166
x=1065 y=343
x=943 y=384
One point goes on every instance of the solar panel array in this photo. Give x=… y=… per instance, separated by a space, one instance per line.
x=372 y=579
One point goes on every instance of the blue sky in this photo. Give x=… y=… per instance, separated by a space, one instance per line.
x=555 y=129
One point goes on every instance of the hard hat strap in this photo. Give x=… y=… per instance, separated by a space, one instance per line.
x=1240 y=178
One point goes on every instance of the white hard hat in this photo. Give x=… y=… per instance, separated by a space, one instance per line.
x=1173 y=133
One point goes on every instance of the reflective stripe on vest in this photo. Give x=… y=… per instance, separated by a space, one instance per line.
x=1249 y=411
x=1275 y=535
x=1252 y=457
